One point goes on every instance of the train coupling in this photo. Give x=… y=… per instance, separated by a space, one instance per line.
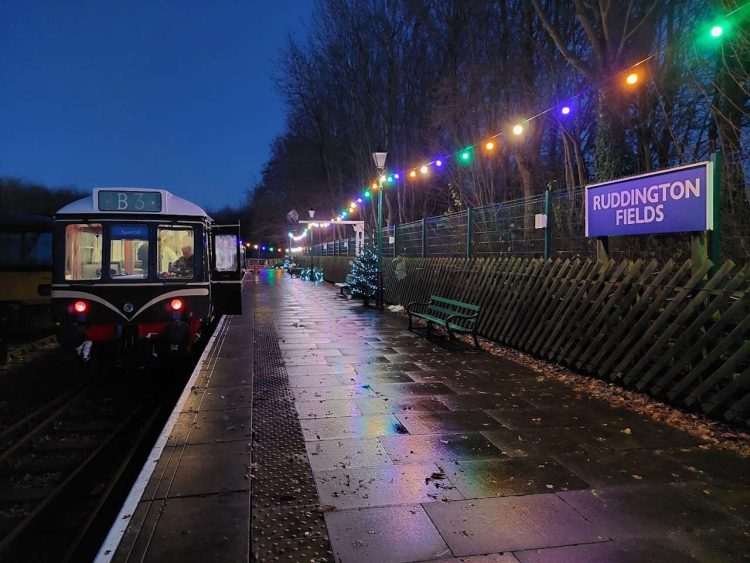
x=177 y=333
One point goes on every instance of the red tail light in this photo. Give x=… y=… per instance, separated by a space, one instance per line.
x=80 y=307
x=176 y=304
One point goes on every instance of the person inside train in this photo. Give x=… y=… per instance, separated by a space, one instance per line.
x=183 y=266
x=143 y=255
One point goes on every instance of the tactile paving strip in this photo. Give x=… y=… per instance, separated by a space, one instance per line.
x=286 y=520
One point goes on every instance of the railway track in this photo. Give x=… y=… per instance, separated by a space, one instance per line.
x=65 y=465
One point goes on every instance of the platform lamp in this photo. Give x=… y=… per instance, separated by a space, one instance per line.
x=311 y=212
x=379 y=158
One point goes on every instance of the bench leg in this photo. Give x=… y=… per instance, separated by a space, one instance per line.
x=476 y=342
x=409 y=322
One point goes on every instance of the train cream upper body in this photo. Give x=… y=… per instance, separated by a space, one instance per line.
x=132 y=201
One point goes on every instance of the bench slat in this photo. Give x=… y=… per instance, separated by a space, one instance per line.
x=460 y=304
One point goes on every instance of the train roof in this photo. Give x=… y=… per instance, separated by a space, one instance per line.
x=25 y=220
x=168 y=204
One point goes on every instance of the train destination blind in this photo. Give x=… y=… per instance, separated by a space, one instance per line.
x=130 y=201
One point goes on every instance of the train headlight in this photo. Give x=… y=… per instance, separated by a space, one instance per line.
x=176 y=305
x=80 y=307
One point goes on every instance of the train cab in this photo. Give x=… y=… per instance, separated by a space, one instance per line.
x=140 y=268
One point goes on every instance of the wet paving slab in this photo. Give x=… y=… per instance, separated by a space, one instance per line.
x=481 y=458
x=491 y=525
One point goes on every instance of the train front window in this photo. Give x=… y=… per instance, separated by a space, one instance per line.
x=175 y=249
x=83 y=251
x=128 y=252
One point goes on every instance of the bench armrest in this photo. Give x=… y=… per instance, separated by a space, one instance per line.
x=415 y=304
x=462 y=317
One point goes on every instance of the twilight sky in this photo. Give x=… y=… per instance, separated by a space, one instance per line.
x=176 y=94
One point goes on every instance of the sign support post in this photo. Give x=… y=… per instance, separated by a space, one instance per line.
x=602 y=250
x=714 y=251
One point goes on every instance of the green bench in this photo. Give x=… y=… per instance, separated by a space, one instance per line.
x=454 y=316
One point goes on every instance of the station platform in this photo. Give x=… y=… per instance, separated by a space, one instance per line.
x=315 y=429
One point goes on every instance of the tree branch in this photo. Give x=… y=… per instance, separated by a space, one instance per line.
x=596 y=41
x=571 y=57
x=628 y=34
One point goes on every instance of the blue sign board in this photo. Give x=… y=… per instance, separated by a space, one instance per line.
x=669 y=201
x=137 y=232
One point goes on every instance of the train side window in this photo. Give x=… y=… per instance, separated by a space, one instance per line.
x=10 y=249
x=175 y=250
x=39 y=248
x=128 y=248
x=83 y=251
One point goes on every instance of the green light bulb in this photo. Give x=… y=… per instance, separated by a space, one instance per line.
x=717 y=31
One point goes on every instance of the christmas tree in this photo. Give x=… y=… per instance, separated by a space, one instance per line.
x=363 y=279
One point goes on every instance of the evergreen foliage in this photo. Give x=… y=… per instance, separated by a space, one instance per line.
x=308 y=274
x=364 y=273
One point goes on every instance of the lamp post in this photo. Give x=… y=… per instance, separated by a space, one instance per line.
x=379 y=159
x=311 y=212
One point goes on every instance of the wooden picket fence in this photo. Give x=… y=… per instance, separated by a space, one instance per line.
x=676 y=332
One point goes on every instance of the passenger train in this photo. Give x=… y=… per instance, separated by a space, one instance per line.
x=140 y=273
x=25 y=274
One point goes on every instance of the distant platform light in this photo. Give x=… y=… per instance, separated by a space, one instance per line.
x=632 y=78
x=517 y=129
x=438 y=163
x=565 y=110
x=423 y=170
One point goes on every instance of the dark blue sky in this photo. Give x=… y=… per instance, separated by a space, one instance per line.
x=175 y=94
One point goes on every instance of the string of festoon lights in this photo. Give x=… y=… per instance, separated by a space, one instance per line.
x=629 y=77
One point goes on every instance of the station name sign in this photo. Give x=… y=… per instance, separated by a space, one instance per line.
x=669 y=201
x=129 y=201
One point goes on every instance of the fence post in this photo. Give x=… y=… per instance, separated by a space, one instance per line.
x=469 y=234
x=548 y=214
x=424 y=238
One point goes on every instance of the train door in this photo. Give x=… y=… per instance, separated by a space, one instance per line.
x=226 y=270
